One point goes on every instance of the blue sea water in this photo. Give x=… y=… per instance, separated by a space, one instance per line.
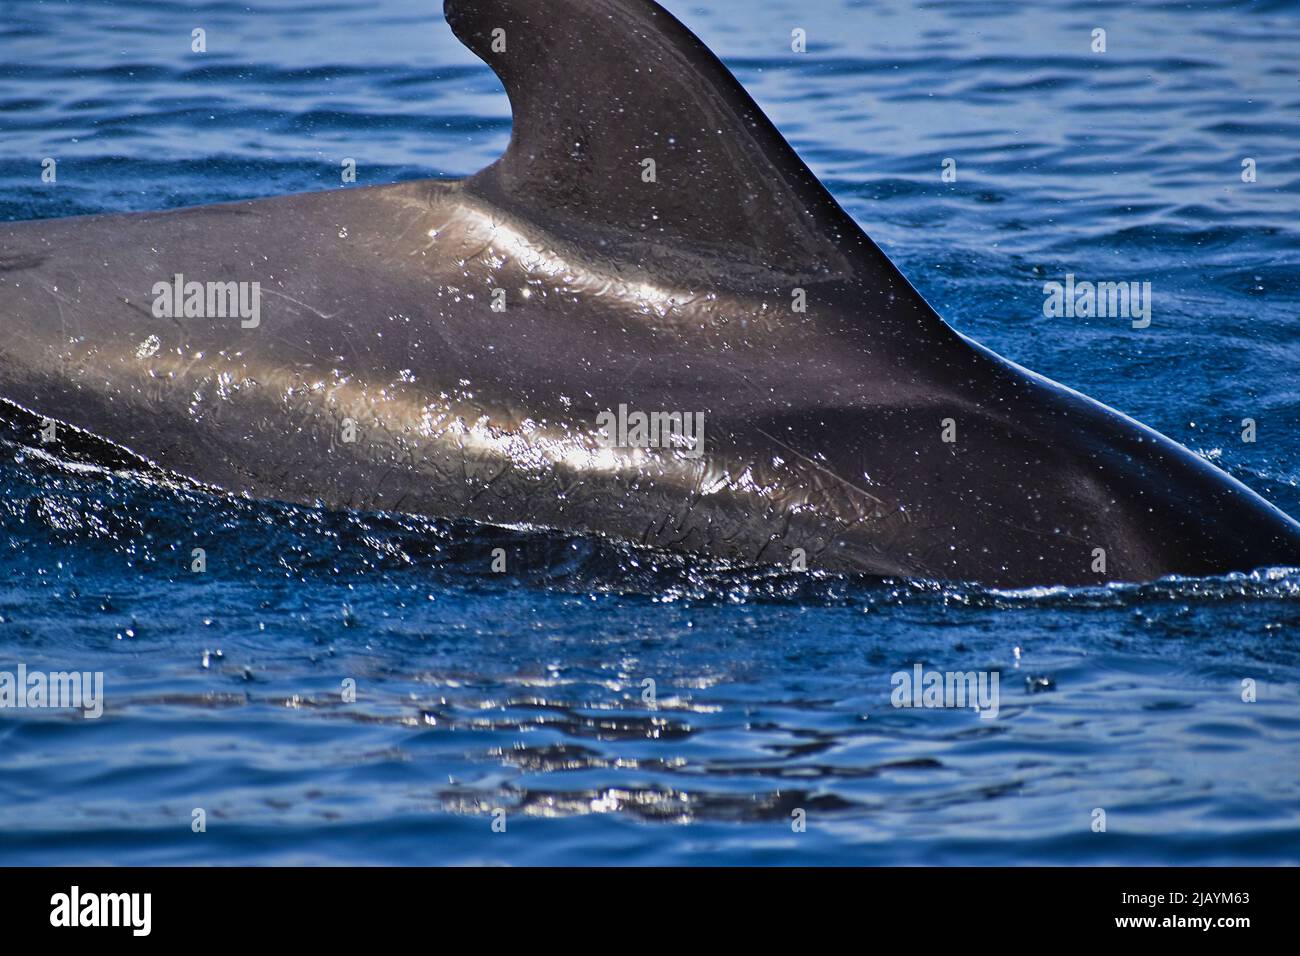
x=524 y=691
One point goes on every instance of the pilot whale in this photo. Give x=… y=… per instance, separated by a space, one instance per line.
x=522 y=347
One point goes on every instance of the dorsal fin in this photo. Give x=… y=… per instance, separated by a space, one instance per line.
x=599 y=86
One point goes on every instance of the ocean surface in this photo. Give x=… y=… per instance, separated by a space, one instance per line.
x=525 y=692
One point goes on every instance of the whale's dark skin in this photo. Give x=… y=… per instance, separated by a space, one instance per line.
x=823 y=429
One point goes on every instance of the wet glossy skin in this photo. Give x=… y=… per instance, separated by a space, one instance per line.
x=823 y=428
